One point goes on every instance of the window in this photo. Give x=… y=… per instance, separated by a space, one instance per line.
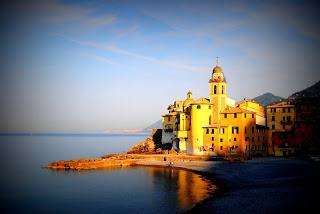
x=252 y=139
x=221 y=140
x=273 y=127
x=222 y=90
x=284 y=118
x=235 y=115
x=283 y=110
x=273 y=118
x=245 y=115
x=288 y=118
x=235 y=130
x=252 y=115
x=209 y=106
x=258 y=138
x=221 y=147
x=283 y=126
x=212 y=131
x=198 y=107
x=212 y=138
x=252 y=129
x=289 y=109
x=210 y=119
x=215 y=89
x=169 y=119
x=245 y=130
x=234 y=139
x=225 y=115
x=221 y=130
x=207 y=131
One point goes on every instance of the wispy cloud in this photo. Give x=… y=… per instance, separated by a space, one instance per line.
x=104 y=20
x=117 y=50
x=104 y=59
x=59 y=12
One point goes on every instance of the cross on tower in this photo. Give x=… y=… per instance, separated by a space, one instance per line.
x=217 y=61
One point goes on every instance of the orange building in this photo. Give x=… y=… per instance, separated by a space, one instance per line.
x=280 y=121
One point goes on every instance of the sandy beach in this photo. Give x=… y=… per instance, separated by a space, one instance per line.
x=261 y=185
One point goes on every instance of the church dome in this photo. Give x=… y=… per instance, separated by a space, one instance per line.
x=217 y=75
x=217 y=69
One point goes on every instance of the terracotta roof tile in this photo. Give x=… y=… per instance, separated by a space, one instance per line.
x=232 y=110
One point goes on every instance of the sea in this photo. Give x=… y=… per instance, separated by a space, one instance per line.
x=27 y=187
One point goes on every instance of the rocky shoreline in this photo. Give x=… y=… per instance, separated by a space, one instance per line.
x=125 y=160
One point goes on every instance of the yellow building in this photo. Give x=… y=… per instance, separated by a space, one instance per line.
x=215 y=125
x=280 y=121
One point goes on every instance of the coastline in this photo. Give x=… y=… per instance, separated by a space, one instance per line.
x=260 y=185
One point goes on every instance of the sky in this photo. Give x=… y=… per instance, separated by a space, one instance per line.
x=92 y=66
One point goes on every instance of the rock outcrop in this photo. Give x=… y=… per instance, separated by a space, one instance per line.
x=152 y=145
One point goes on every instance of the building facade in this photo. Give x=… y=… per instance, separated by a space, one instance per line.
x=216 y=125
x=280 y=121
x=293 y=126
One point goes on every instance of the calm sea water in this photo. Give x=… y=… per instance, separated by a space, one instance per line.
x=25 y=187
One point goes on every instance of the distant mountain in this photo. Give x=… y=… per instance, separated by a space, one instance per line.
x=267 y=99
x=156 y=125
x=312 y=91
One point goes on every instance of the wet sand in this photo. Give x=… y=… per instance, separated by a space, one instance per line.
x=262 y=185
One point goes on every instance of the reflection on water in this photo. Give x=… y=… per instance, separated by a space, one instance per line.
x=27 y=188
x=190 y=188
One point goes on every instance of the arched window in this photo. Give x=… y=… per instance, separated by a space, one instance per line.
x=222 y=89
x=215 y=89
x=210 y=120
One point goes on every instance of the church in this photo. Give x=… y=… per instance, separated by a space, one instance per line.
x=217 y=125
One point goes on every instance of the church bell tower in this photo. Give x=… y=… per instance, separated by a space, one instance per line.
x=218 y=92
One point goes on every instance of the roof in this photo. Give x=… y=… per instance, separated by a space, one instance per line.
x=170 y=114
x=248 y=100
x=188 y=102
x=201 y=100
x=217 y=69
x=232 y=110
x=280 y=105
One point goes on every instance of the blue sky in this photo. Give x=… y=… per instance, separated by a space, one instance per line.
x=91 y=66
